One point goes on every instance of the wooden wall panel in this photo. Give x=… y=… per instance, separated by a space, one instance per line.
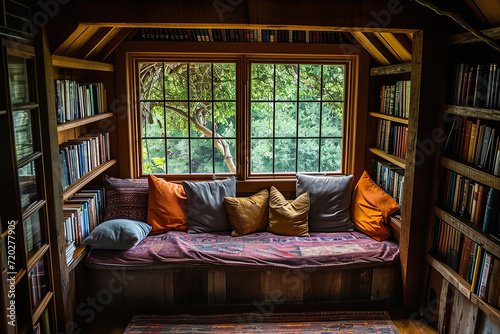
x=282 y=286
x=242 y=286
x=190 y=287
x=216 y=287
x=383 y=282
x=356 y=284
x=322 y=285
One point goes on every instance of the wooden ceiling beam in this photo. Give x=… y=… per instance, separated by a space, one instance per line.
x=394 y=46
x=74 y=35
x=86 y=49
x=114 y=42
x=374 y=48
x=103 y=42
x=77 y=43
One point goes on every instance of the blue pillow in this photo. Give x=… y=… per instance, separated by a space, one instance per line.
x=119 y=234
x=205 y=205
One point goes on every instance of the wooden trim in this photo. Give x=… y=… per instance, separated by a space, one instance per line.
x=468 y=37
x=74 y=35
x=19 y=276
x=82 y=121
x=394 y=46
x=42 y=306
x=36 y=257
x=395 y=223
x=483 y=113
x=78 y=256
x=80 y=41
x=469 y=229
x=67 y=62
x=388 y=117
x=489 y=310
x=372 y=49
x=389 y=157
x=471 y=172
x=81 y=182
x=391 y=69
x=113 y=44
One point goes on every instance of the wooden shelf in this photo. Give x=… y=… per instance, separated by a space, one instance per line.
x=468 y=37
x=395 y=223
x=78 y=184
x=391 y=118
x=82 y=121
x=391 y=69
x=389 y=157
x=483 y=113
x=464 y=287
x=78 y=256
x=42 y=306
x=36 y=257
x=469 y=229
x=67 y=62
x=471 y=172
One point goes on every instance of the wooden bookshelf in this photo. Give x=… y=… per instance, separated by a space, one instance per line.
x=467 y=228
x=471 y=172
x=73 y=63
x=483 y=113
x=36 y=257
x=395 y=223
x=468 y=37
x=41 y=306
x=78 y=256
x=388 y=117
x=78 y=184
x=83 y=121
x=391 y=69
x=389 y=157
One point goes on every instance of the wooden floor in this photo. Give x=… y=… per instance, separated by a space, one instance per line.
x=113 y=320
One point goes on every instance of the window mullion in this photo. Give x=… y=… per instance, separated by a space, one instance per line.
x=297 y=121
x=320 y=118
x=189 y=115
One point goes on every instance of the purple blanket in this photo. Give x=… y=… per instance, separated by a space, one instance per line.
x=265 y=250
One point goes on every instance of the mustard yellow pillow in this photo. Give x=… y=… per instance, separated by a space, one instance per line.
x=248 y=215
x=287 y=218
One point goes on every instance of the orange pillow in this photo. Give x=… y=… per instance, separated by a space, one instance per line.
x=166 y=206
x=370 y=207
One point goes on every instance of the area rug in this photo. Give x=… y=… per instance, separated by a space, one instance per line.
x=309 y=322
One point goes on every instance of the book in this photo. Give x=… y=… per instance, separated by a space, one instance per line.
x=477 y=268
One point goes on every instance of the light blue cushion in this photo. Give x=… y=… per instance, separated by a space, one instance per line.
x=119 y=234
x=205 y=205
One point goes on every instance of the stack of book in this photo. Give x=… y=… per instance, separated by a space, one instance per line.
x=468 y=259
x=476 y=202
x=80 y=155
x=390 y=178
x=75 y=100
x=395 y=99
x=391 y=138
x=477 y=85
x=475 y=142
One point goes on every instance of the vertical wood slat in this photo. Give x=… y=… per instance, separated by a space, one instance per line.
x=216 y=285
x=282 y=286
x=442 y=305
x=242 y=287
x=322 y=285
x=383 y=283
x=465 y=315
x=190 y=287
x=356 y=284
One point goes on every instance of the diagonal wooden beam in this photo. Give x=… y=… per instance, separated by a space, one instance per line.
x=79 y=41
x=375 y=48
x=109 y=36
x=87 y=48
x=74 y=35
x=113 y=43
x=394 y=46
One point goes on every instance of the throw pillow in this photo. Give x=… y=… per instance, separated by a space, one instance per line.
x=119 y=234
x=248 y=215
x=126 y=198
x=330 y=199
x=205 y=205
x=166 y=206
x=370 y=207
x=287 y=218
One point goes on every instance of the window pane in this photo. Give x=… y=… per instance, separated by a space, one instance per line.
x=262 y=119
x=286 y=119
x=333 y=83
x=262 y=156
x=176 y=81
x=151 y=81
x=262 y=81
x=23 y=134
x=176 y=118
x=332 y=119
x=221 y=165
x=308 y=155
x=201 y=156
x=200 y=81
x=201 y=119
x=225 y=118
x=286 y=82
x=32 y=233
x=178 y=156
x=38 y=281
x=225 y=81
x=27 y=184
x=152 y=119
x=309 y=119
x=331 y=155
x=285 y=155
x=310 y=82
x=153 y=155
x=19 y=89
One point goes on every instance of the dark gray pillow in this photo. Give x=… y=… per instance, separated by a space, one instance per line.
x=120 y=234
x=330 y=202
x=205 y=205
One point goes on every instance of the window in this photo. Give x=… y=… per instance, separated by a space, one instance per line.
x=196 y=119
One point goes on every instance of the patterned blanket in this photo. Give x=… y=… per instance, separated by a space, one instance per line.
x=266 y=250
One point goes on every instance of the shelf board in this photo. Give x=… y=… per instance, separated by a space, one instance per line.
x=392 y=118
x=6 y=232
x=469 y=229
x=82 y=121
x=483 y=113
x=37 y=256
x=78 y=184
x=391 y=69
x=67 y=62
x=19 y=276
x=42 y=306
x=395 y=223
x=471 y=172
x=468 y=37
x=389 y=157
x=78 y=256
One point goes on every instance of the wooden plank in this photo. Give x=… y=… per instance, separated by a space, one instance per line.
x=471 y=172
x=242 y=287
x=391 y=69
x=42 y=306
x=467 y=228
x=154 y=288
x=388 y=117
x=489 y=310
x=383 y=282
x=113 y=43
x=467 y=37
x=450 y=276
x=372 y=49
x=464 y=315
x=74 y=35
x=216 y=287
x=85 y=50
x=394 y=46
x=389 y=157
x=282 y=286
x=322 y=285
x=443 y=303
x=78 y=256
x=67 y=62
x=190 y=287
x=77 y=43
x=82 y=121
x=103 y=42
x=482 y=113
x=356 y=284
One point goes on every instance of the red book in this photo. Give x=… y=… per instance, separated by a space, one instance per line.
x=481 y=205
x=465 y=149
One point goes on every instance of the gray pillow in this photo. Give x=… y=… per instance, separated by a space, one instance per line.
x=119 y=234
x=205 y=205
x=330 y=202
